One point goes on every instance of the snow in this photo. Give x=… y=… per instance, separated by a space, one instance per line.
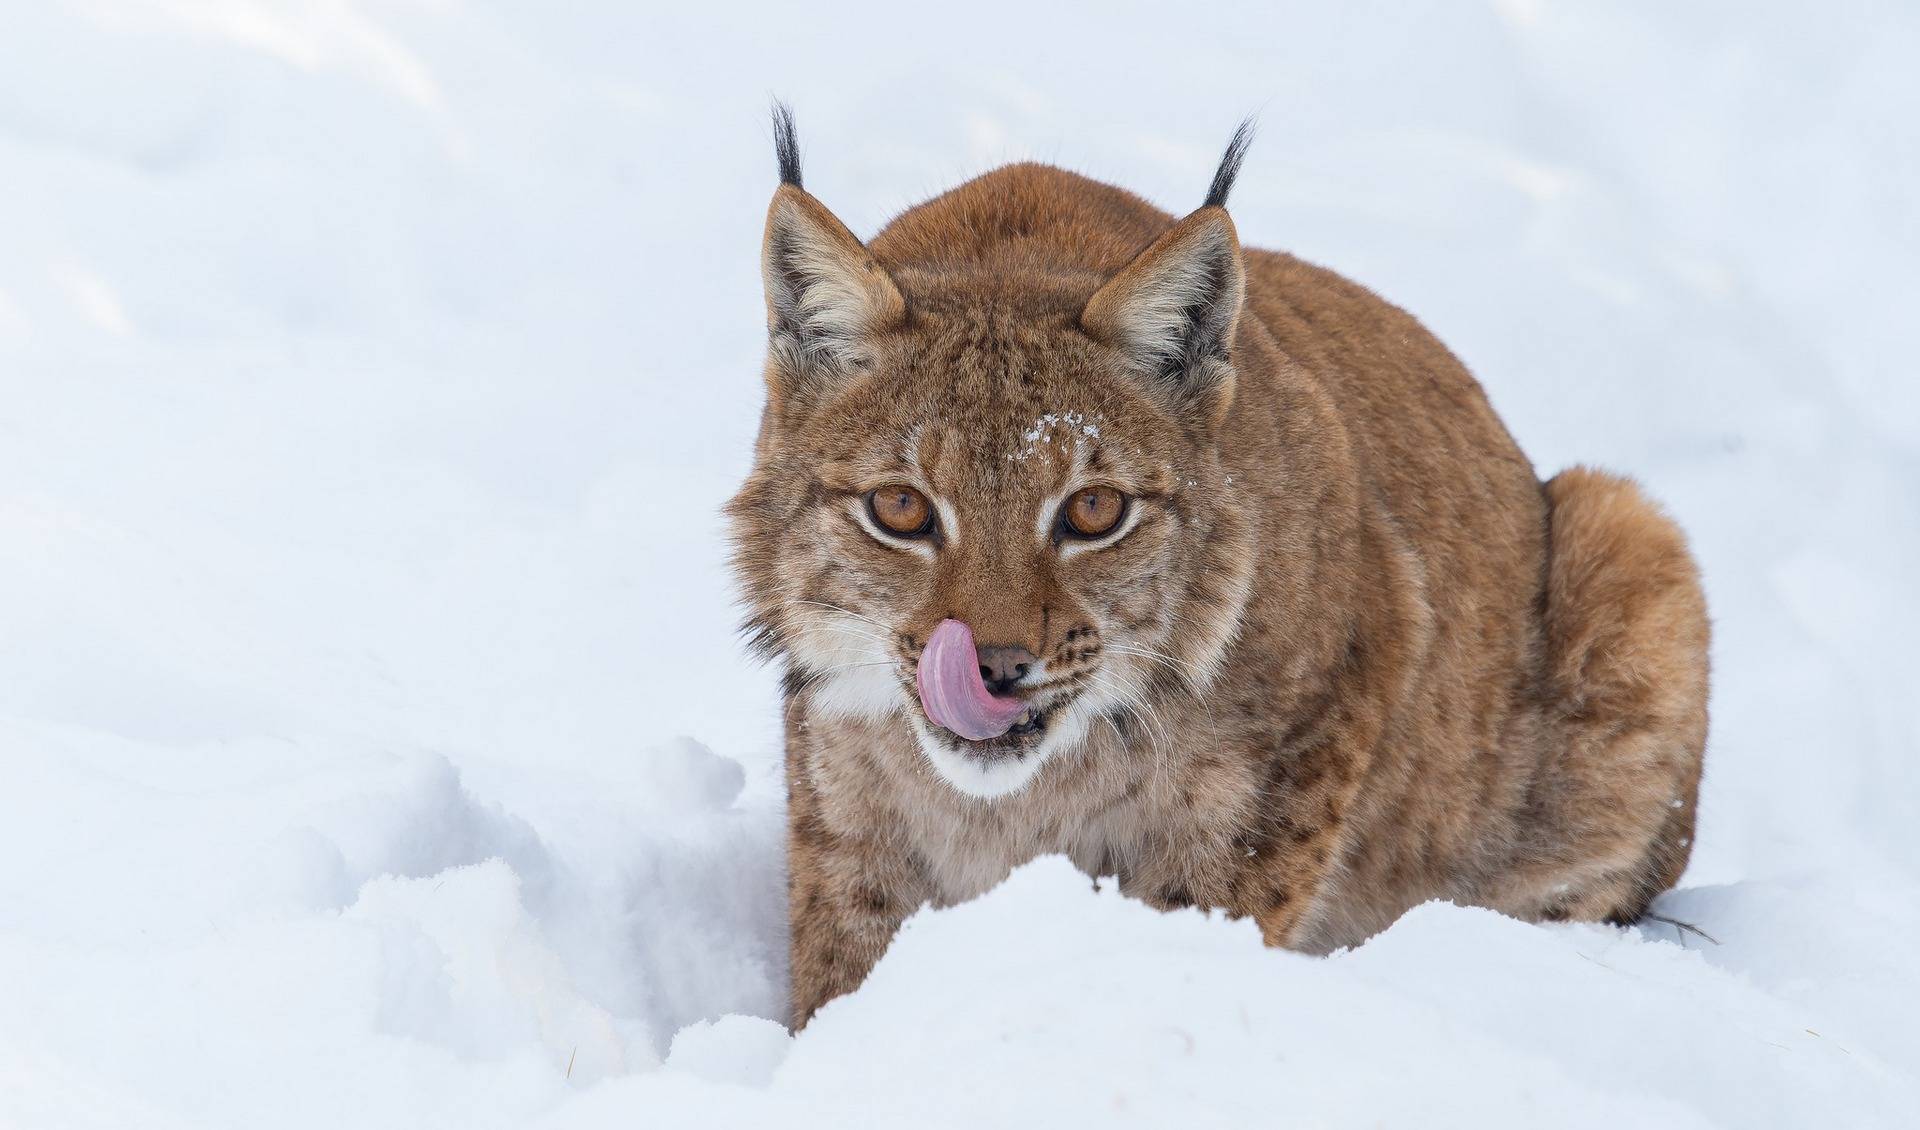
x=374 y=747
x=1189 y=1014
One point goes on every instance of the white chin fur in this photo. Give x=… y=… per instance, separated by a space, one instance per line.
x=989 y=780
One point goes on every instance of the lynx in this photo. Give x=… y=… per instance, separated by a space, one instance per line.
x=1080 y=529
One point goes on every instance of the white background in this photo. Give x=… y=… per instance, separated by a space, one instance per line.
x=374 y=745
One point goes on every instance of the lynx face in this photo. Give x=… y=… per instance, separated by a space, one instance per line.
x=1016 y=462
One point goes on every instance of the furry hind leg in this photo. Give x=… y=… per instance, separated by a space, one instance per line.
x=1609 y=821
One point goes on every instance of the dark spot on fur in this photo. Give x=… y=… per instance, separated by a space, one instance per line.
x=792 y=682
x=810 y=834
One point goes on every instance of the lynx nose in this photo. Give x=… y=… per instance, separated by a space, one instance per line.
x=1002 y=667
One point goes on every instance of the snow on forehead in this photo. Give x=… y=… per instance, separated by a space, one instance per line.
x=1064 y=430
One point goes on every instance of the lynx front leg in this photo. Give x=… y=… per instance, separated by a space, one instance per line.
x=1288 y=853
x=846 y=898
x=1284 y=872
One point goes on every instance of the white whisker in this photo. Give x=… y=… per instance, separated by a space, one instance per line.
x=845 y=612
x=1202 y=695
x=828 y=623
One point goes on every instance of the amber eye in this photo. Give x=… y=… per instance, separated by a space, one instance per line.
x=901 y=510
x=1092 y=512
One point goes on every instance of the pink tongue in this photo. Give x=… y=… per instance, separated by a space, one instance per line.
x=951 y=688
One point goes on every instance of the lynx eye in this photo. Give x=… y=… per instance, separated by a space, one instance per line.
x=1092 y=512
x=902 y=511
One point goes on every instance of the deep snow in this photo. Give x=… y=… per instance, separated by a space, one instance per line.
x=374 y=748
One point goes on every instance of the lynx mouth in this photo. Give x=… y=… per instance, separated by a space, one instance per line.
x=991 y=768
x=1027 y=731
x=1032 y=722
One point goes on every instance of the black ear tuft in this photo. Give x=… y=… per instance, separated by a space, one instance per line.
x=1223 y=177
x=786 y=144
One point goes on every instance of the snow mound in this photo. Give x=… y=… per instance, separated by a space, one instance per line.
x=1047 y=1002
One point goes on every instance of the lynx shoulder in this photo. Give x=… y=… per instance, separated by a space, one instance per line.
x=1079 y=528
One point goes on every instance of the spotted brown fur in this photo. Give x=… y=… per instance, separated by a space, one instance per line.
x=1367 y=657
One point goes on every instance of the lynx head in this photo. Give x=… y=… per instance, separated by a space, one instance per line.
x=988 y=499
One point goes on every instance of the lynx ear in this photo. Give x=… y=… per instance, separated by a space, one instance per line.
x=1172 y=311
x=824 y=291
x=826 y=296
